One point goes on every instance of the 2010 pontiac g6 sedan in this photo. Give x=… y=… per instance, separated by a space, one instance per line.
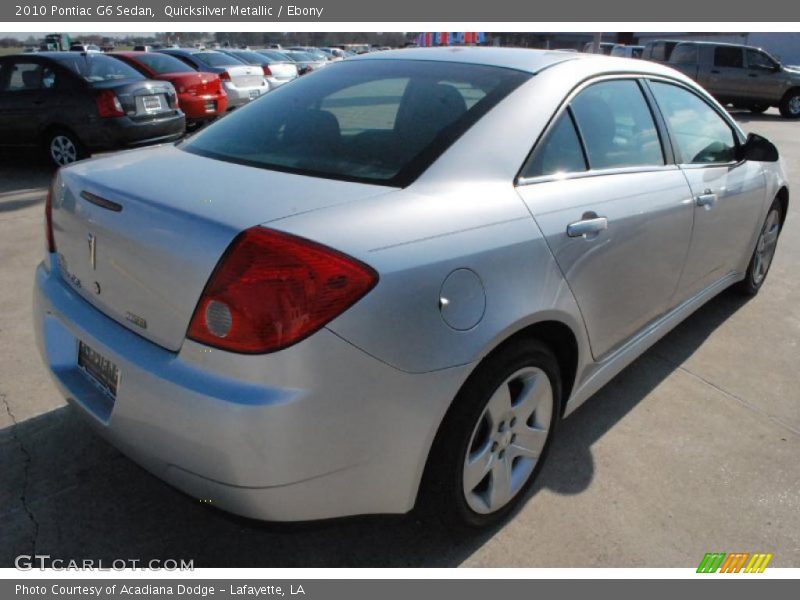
x=384 y=284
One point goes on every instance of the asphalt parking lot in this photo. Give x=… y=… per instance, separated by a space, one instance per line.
x=692 y=449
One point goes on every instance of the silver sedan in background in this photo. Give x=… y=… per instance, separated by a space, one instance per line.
x=384 y=285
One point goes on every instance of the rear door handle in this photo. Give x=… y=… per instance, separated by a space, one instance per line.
x=587 y=227
x=706 y=199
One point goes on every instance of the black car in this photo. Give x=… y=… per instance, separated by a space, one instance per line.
x=74 y=103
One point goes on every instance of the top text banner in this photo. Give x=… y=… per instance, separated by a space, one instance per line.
x=388 y=11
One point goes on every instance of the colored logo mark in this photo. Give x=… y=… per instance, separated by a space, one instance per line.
x=737 y=562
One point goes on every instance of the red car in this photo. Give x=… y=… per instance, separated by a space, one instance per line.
x=200 y=95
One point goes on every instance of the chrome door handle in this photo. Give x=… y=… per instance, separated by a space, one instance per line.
x=586 y=227
x=706 y=199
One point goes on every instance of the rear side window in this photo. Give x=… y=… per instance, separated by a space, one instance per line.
x=378 y=121
x=559 y=152
x=684 y=54
x=699 y=132
x=728 y=56
x=616 y=126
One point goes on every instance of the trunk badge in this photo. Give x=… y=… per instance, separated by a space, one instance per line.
x=93 y=252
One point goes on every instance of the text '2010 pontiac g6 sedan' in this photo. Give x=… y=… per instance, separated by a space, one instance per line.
x=396 y=275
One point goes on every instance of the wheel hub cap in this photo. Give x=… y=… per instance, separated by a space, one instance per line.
x=765 y=249
x=508 y=440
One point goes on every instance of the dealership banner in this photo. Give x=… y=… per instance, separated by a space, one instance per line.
x=155 y=11
x=731 y=588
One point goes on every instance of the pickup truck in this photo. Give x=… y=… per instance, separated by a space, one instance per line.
x=744 y=76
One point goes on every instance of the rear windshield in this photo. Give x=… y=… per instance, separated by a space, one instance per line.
x=300 y=56
x=274 y=56
x=376 y=121
x=95 y=68
x=216 y=59
x=163 y=63
x=249 y=57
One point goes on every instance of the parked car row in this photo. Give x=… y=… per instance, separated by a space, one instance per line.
x=75 y=103
x=735 y=74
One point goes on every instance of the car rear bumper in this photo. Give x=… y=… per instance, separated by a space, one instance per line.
x=237 y=96
x=197 y=108
x=318 y=430
x=125 y=132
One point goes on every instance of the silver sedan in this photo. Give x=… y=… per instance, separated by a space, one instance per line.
x=384 y=285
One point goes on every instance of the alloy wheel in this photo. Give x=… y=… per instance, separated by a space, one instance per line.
x=63 y=150
x=765 y=248
x=508 y=440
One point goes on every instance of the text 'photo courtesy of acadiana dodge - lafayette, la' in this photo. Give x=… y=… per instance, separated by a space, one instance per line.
x=171 y=11
x=154 y=589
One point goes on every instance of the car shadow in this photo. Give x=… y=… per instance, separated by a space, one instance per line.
x=66 y=493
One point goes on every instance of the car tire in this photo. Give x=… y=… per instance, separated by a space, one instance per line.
x=759 y=108
x=790 y=104
x=63 y=147
x=489 y=422
x=764 y=252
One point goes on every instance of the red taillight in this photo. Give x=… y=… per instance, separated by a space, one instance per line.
x=225 y=76
x=48 y=219
x=108 y=105
x=267 y=71
x=271 y=289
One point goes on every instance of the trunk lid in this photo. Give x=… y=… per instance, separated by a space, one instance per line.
x=139 y=233
x=246 y=76
x=196 y=84
x=141 y=100
x=283 y=70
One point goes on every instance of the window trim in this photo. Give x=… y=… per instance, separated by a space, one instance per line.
x=666 y=146
x=738 y=136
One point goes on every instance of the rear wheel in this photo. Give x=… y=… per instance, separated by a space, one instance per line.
x=790 y=105
x=495 y=437
x=63 y=147
x=764 y=252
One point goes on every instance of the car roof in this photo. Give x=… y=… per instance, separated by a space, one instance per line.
x=727 y=44
x=521 y=59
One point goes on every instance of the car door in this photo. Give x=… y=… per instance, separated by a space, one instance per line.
x=28 y=90
x=728 y=195
x=766 y=80
x=615 y=213
x=726 y=76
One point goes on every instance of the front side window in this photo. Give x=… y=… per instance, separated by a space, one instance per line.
x=616 y=126
x=728 y=56
x=379 y=121
x=700 y=134
x=759 y=60
x=559 y=152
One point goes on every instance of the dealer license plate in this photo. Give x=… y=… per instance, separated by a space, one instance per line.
x=98 y=368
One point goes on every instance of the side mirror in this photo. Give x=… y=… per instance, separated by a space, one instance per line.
x=758 y=148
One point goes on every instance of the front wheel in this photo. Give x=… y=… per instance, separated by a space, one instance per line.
x=790 y=105
x=764 y=252
x=64 y=148
x=495 y=437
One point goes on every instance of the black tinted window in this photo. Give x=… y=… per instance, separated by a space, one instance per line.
x=164 y=63
x=616 y=126
x=559 y=152
x=216 y=59
x=381 y=121
x=98 y=67
x=759 y=60
x=728 y=56
x=699 y=132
